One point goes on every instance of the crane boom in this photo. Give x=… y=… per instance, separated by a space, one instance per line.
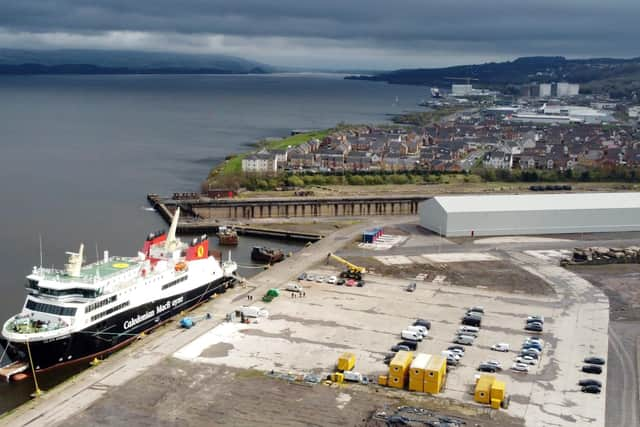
x=350 y=266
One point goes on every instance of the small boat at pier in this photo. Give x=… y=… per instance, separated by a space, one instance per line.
x=268 y=255
x=227 y=236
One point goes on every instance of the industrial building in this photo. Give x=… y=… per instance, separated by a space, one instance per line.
x=517 y=214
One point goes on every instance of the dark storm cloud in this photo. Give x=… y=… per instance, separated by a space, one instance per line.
x=500 y=27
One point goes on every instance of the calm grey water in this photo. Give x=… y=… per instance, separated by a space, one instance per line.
x=79 y=154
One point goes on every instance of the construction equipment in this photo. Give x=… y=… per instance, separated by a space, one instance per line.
x=270 y=295
x=353 y=271
x=490 y=391
x=188 y=322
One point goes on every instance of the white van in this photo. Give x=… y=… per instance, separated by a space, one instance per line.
x=420 y=329
x=293 y=287
x=411 y=335
x=464 y=340
x=253 y=311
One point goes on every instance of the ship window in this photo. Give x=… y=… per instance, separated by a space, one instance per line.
x=100 y=303
x=85 y=293
x=109 y=311
x=32 y=284
x=175 y=282
x=50 y=308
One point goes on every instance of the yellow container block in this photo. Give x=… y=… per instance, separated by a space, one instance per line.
x=416 y=384
x=495 y=403
x=337 y=377
x=396 y=381
x=383 y=380
x=400 y=363
x=434 y=374
x=346 y=361
x=498 y=390
x=483 y=389
x=416 y=370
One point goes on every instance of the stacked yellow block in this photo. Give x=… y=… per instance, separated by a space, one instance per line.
x=434 y=374
x=399 y=369
x=490 y=391
x=416 y=372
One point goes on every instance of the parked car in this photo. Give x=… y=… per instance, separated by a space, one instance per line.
x=594 y=360
x=535 y=318
x=411 y=287
x=533 y=339
x=449 y=353
x=527 y=360
x=592 y=369
x=502 y=346
x=467 y=328
x=311 y=277
x=535 y=356
x=340 y=282
x=457 y=351
x=411 y=335
x=495 y=363
x=332 y=280
x=584 y=383
x=463 y=339
x=473 y=334
x=422 y=322
x=471 y=321
x=532 y=344
x=319 y=279
x=591 y=389
x=452 y=361
x=399 y=347
x=520 y=367
x=533 y=327
x=531 y=350
x=302 y=276
x=388 y=357
x=411 y=344
x=421 y=329
x=456 y=348
x=487 y=368
x=350 y=282
x=477 y=309
x=360 y=283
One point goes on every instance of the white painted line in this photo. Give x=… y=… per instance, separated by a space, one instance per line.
x=460 y=257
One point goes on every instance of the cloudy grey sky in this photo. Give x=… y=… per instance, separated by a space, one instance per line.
x=380 y=34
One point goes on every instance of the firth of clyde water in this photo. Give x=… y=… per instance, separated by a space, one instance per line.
x=79 y=154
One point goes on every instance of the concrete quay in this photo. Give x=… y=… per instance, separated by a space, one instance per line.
x=75 y=395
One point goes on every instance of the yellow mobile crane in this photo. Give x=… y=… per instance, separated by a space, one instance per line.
x=353 y=271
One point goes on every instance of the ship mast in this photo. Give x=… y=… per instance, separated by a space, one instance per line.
x=172 y=243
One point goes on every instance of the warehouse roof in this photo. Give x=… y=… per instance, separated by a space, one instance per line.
x=539 y=202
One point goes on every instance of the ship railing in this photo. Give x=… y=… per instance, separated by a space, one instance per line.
x=15 y=328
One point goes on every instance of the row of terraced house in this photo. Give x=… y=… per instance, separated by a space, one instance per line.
x=445 y=147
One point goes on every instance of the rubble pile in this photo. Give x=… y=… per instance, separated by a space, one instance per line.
x=600 y=255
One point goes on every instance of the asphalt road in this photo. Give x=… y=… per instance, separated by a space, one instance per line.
x=622 y=374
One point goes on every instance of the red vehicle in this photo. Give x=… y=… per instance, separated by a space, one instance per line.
x=351 y=282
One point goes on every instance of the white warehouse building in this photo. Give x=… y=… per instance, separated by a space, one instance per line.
x=518 y=214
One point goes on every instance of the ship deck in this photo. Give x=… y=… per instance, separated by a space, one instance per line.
x=102 y=270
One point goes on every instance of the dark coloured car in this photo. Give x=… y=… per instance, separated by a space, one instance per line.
x=592 y=369
x=399 y=347
x=411 y=344
x=588 y=382
x=533 y=327
x=422 y=322
x=537 y=346
x=477 y=309
x=360 y=283
x=398 y=420
x=591 y=389
x=484 y=367
x=340 y=282
x=566 y=187
x=594 y=360
x=302 y=276
x=471 y=321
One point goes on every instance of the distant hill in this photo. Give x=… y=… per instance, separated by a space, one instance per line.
x=73 y=61
x=595 y=73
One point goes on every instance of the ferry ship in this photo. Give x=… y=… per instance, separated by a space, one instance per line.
x=87 y=311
